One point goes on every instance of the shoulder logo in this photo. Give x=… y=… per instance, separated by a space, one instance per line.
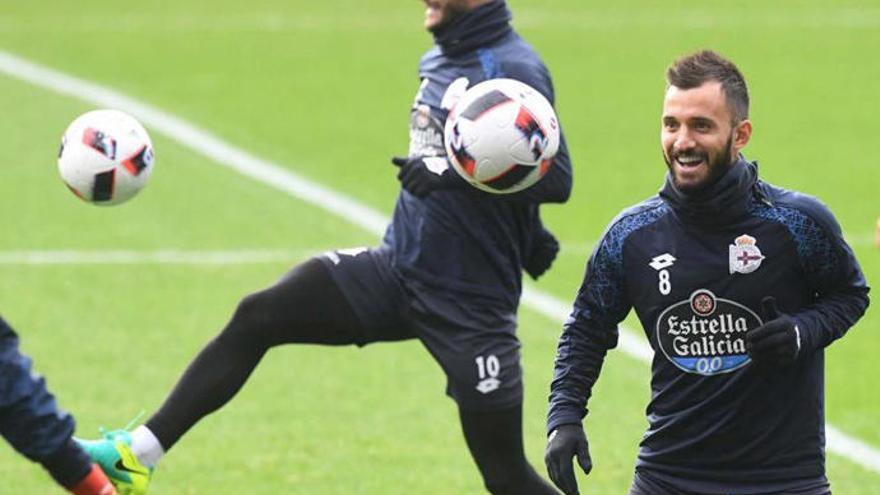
x=744 y=255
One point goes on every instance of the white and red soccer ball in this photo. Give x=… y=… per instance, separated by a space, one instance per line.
x=106 y=157
x=502 y=135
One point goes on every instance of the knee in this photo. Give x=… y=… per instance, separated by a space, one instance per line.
x=251 y=319
x=252 y=309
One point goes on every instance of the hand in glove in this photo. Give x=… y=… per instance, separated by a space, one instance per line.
x=777 y=341
x=420 y=175
x=544 y=250
x=564 y=443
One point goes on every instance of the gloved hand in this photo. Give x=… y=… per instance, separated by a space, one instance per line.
x=777 y=341
x=544 y=250
x=420 y=175
x=566 y=442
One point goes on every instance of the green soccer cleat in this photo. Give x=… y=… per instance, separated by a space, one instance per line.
x=113 y=453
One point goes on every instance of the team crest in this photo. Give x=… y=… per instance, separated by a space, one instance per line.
x=425 y=133
x=745 y=257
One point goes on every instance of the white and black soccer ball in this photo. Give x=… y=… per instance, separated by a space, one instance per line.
x=502 y=136
x=106 y=157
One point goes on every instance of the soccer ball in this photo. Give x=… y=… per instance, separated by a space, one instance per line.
x=106 y=157
x=502 y=136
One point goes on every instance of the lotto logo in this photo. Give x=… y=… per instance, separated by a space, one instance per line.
x=665 y=260
x=488 y=385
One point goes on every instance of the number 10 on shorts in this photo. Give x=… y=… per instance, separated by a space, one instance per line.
x=488 y=369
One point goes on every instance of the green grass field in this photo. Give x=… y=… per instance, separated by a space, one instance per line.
x=324 y=89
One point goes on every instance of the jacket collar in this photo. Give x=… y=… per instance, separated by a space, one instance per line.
x=723 y=202
x=476 y=28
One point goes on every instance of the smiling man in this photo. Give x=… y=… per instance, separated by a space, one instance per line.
x=739 y=286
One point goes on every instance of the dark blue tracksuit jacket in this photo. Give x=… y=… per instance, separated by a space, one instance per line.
x=695 y=271
x=29 y=417
x=463 y=246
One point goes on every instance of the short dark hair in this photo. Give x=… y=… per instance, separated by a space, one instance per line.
x=692 y=71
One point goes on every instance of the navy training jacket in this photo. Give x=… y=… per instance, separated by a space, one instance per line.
x=695 y=271
x=30 y=419
x=464 y=247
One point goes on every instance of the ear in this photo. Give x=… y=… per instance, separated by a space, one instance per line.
x=742 y=134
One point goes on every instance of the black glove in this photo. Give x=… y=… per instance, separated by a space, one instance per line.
x=420 y=175
x=564 y=443
x=544 y=250
x=777 y=341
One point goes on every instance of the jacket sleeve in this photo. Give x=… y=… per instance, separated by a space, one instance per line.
x=835 y=277
x=589 y=332
x=29 y=417
x=555 y=186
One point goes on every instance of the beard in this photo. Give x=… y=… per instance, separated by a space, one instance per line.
x=717 y=164
x=449 y=12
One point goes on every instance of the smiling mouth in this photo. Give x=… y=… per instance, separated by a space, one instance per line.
x=689 y=161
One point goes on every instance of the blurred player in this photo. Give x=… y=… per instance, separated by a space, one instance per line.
x=32 y=423
x=739 y=285
x=448 y=272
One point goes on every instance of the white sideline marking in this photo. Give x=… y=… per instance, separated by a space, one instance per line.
x=351 y=210
x=161 y=257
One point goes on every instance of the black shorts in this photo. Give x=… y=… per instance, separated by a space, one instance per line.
x=480 y=356
x=650 y=483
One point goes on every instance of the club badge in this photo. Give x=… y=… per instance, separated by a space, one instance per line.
x=745 y=257
x=425 y=133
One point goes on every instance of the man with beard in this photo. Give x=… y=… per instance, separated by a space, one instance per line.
x=448 y=272
x=739 y=285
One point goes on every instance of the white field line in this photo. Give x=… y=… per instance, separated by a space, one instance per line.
x=160 y=257
x=349 y=209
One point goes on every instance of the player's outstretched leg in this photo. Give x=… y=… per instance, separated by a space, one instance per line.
x=495 y=441
x=305 y=306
